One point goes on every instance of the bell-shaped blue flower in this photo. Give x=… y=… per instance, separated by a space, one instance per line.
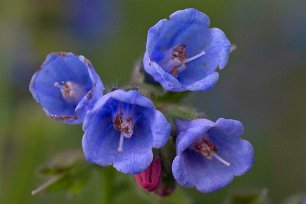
x=210 y=154
x=183 y=53
x=122 y=129
x=66 y=86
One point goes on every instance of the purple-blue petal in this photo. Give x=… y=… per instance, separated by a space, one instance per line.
x=219 y=48
x=181 y=28
x=190 y=168
x=93 y=95
x=239 y=152
x=203 y=70
x=206 y=175
x=131 y=97
x=167 y=81
x=229 y=127
x=160 y=130
x=99 y=137
x=100 y=145
x=135 y=163
x=196 y=129
x=204 y=84
x=154 y=33
x=190 y=15
x=180 y=173
x=100 y=141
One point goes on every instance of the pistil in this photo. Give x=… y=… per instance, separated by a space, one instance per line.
x=194 y=57
x=220 y=159
x=120 y=147
x=125 y=126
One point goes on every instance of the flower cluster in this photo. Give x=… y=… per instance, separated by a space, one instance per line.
x=122 y=127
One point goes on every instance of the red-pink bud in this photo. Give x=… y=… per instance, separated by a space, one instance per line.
x=149 y=178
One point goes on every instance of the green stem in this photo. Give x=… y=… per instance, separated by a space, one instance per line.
x=108 y=185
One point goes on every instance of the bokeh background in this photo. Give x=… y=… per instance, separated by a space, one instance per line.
x=263 y=85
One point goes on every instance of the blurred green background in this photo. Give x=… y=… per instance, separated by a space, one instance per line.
x=263 y=85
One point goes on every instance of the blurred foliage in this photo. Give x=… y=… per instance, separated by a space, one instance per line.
x=254 y=197
x=263 y=85
x=68 y=171
x=295 y=199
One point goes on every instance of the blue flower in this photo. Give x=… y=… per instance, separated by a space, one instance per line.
x=90 y=20
x=210 y=154
x=183 y=53
x=66 y=86
x=121 y=130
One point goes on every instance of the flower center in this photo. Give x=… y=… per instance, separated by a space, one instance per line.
x=179 y=59
x=71 y=92
x=207 y=149
x=125 y=126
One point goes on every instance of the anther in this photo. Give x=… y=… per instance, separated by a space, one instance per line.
x=71 y=91
x=125 y=126
x=207 y=149
x=179 y=60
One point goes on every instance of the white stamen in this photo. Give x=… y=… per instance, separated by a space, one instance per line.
x=120 y=147
x=194 y=57
x=221 y=160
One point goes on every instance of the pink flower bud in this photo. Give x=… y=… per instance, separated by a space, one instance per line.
x=149 y=178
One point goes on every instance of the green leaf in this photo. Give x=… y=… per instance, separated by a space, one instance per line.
x=67 y=172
